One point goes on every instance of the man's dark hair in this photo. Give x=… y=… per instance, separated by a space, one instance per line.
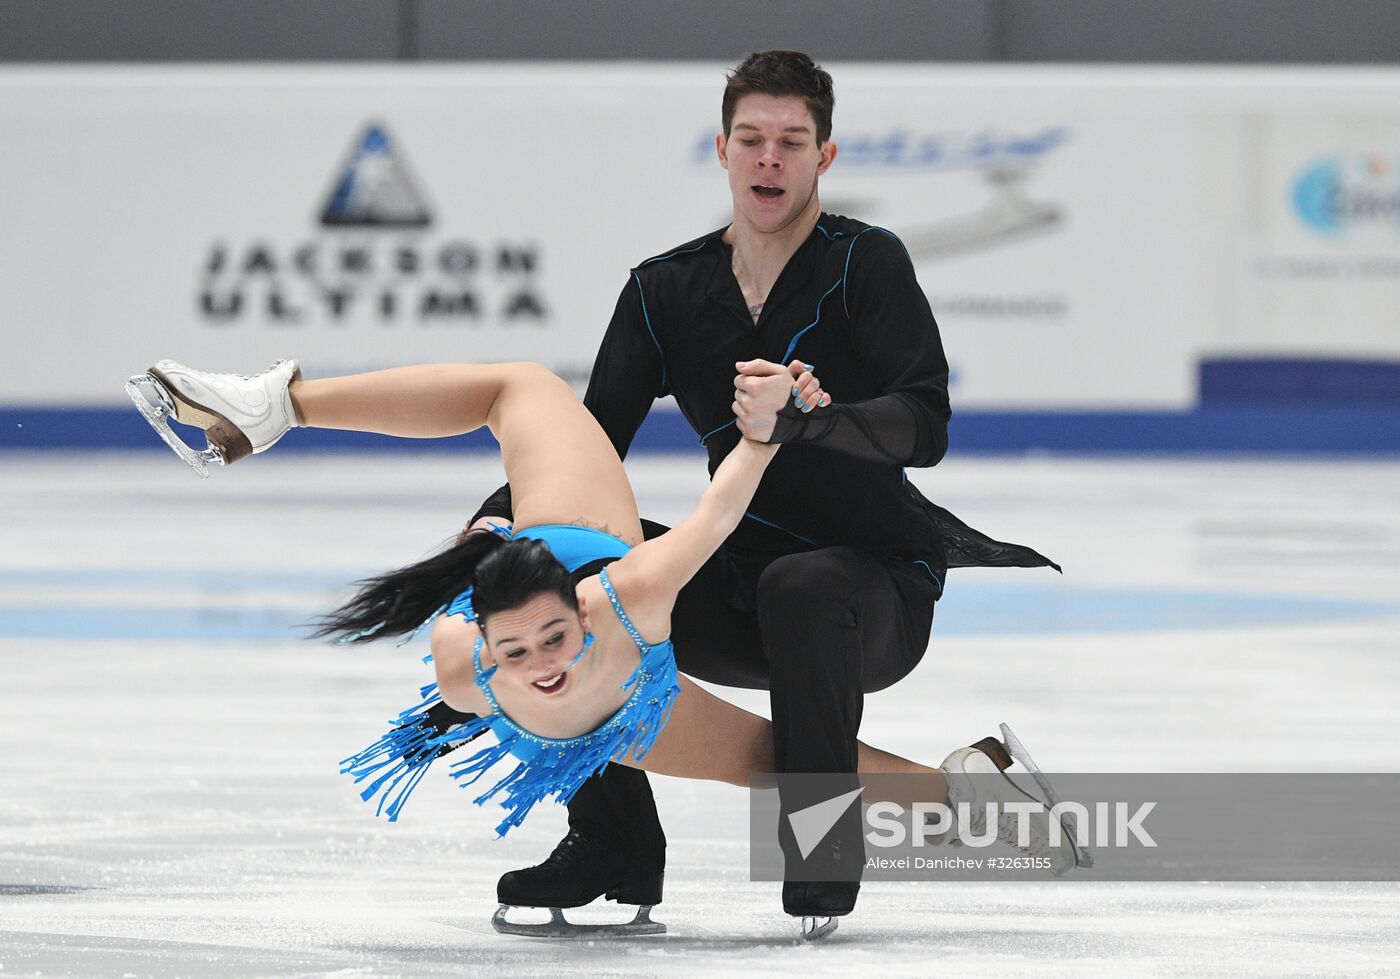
x=782 y=73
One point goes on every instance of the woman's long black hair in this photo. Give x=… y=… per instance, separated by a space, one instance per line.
x=505 y=574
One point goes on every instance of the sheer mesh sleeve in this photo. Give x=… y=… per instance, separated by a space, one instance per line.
x=442 y=719
x=894 y=429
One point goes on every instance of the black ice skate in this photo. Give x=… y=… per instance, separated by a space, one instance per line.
x=820 y=904
x=582 y=868
x=837 y=865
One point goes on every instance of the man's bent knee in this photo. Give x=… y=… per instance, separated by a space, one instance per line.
x=812 y=577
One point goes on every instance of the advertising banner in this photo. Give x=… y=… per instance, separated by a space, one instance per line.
x=1086 y=236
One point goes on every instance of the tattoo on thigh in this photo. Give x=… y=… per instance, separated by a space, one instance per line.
x=593 y=526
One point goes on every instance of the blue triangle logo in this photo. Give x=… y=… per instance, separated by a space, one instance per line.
x=374 y=188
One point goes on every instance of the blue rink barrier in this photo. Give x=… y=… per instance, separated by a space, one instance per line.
x=1298 y=380
x=1042 y=608
x=1272 y=429
x=1221 y=429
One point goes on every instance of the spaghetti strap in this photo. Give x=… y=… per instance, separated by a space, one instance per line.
x=603 y=580
x=483 y=678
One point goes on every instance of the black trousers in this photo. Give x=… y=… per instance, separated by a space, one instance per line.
x=817 y=629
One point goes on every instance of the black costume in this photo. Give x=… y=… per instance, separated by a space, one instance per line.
x=826 y=590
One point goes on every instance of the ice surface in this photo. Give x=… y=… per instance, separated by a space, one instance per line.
x=169 y=796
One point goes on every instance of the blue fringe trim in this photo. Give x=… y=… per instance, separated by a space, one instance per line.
x=393 y=766
x=558 y=767
x=397 y=762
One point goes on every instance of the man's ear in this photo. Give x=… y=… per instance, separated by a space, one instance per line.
x=722 y=149
x=828 y=157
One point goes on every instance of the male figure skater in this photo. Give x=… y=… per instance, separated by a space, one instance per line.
x=826 y=591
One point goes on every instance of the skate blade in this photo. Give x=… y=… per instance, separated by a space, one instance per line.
x=560 y=927
x=814 y=929
x=221 y=435
x=150 y=399
x=1082 y=856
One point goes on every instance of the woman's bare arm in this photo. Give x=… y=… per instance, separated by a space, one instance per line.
x=650 y=576
x=453 y=640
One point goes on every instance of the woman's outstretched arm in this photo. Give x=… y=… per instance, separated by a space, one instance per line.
x=653 y=573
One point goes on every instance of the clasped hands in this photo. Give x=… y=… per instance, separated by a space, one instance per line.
x=763 y=388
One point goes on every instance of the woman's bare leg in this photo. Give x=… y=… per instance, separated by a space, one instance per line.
x=561 y=467
x=709 y=738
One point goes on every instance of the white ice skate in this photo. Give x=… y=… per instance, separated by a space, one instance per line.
x=976 y=776
x=1082 y=856
x=239 y=415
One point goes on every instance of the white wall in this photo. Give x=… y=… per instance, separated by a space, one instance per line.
x=1085 y=234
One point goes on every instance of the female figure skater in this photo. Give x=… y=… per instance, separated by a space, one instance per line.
x=557 y=638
